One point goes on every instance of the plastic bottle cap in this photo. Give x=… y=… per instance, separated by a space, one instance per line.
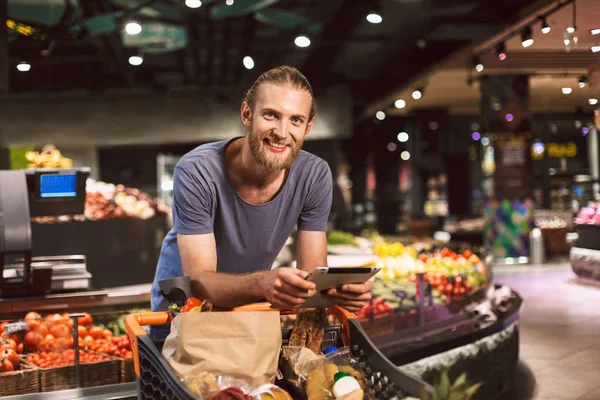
x=340 y=375
x=330 y=349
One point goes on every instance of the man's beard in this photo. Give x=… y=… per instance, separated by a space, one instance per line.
x=272 y=161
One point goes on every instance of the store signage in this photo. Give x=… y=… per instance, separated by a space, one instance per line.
x=15 y=327
x=512 y=176
x=25 y=30
x=554 y=150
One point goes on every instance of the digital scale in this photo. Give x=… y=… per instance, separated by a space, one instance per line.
x=38 y=193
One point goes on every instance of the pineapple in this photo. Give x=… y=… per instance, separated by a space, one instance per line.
x=461 y=389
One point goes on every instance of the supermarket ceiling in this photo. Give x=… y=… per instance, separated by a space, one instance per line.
x=77 y=44
x=552 y=62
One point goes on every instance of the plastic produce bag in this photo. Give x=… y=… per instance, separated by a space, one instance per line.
x=318 y=374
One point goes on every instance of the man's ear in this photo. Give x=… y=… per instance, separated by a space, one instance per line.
x=309 y=127
x=246 y=114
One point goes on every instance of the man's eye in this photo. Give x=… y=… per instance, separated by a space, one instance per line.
x=269 y=114
x=297 y=120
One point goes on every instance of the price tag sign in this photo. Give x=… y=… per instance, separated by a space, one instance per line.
x=15 y=327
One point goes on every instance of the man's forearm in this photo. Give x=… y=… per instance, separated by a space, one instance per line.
x=228 y=290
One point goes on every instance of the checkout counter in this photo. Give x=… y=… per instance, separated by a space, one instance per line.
x=67 y=267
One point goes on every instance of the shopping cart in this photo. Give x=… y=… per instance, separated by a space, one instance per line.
x=156 y=380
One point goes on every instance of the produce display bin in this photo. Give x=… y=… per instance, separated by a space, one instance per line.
x=156 y=379
x=24 y=380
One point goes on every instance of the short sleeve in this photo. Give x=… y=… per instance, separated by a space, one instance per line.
x=192 y=203
x=317 y=205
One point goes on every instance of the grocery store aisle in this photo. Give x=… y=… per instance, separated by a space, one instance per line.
x=560 y=333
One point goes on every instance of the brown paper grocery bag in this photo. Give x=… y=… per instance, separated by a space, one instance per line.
x=244 y=345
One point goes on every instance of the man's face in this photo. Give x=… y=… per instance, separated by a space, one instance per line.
x=277 y=125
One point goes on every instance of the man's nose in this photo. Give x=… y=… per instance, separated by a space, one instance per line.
x=282 y=129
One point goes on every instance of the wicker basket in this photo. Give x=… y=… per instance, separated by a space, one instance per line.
x=57 y=378
x=25 y=380
x=127 y=373
x=93 y=374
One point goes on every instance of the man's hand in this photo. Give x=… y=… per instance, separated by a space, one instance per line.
x=287 y=287
x=352 y=297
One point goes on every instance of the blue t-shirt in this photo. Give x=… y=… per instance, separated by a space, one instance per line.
x=248 y=237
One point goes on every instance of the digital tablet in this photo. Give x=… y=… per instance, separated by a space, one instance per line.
x=334 y=277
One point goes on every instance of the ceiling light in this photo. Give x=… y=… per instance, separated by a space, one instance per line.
x=136 y=60
x=392 y=146
x=477 y=64
x=501 y=51
x=417 y=93
x=229 y=2
x=593 y=102
x=403 y=137
x=566 y=90
x=582 y=81
x=405 y=155
x=380 y=115
x=545 y=27
x=400 y=103
x=485 y=141
x=374 y=17
x=595 y=31
x=571 y=29
x=248 y=62
x=526 y=37
x=193 y=3
x=595 y=49
x=476 y=136
x=133 y=28
x=302 y=41
x=23 y=66
x=567 y=42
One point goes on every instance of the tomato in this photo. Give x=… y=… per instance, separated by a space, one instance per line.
x=60 y=330
x=43 y=330
x=62 y=343
x=88 y=341
x=467 y=254
x=96 y=332
x=11 y=356
x=33 y=339
x=6 y=366
x=82 y=330
x=107 y=333
x=53 y=319
x=192 y=302
x=33 y=315
x=33 y=323
x=86 y=320
x=8 y=344
x=20 y=348
x=16 y=337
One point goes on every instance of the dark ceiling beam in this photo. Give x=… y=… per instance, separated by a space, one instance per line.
x=339 y=30
x=4 y=63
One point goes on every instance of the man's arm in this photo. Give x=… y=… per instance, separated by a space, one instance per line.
x=311 y=250
x=284 y=287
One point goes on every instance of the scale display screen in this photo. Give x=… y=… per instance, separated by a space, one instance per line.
x=58 y=185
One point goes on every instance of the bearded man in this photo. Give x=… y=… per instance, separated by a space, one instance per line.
x=237 y=201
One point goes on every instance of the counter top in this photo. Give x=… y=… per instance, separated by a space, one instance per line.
x=78 y=301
